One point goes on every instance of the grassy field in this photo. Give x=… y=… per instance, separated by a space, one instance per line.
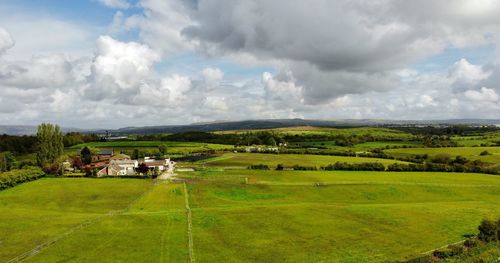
x=308 y=130
x=471 y=153
x=367 y=146
x=243 y=160
x=148 y=222
x=352 y=217
x=247 y=215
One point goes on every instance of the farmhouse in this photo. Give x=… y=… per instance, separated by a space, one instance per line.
x=119 y=168
x=153 y=164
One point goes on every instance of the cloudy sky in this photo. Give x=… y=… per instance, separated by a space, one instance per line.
x=116 y=63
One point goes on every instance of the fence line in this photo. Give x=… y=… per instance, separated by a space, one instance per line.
x=189 y=225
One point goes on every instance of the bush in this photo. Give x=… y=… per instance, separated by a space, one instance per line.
x=15 y=177
x=258 y=167
x=488 y=230
x=355 y=166
x=483 y=153
x=471 y=242
x=303 y=168
x=280 y=167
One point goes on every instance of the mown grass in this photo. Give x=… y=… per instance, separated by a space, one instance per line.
x=243 y=160
x=248 y=215
x=34 y=212
x=152 y=230
x=284 y=216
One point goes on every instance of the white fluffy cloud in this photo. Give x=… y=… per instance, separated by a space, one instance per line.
x=482 y=95
x=323 y=59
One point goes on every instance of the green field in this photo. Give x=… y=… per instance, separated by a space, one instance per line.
x=271 y=216
x=173 y=147
x=132 y=220
x=243 y=160
x=471 y=153
x=308 y=130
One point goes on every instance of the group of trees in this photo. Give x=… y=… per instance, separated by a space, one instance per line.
x=18 y=144
x=237 y=139
x=373 y=166
x=436 y=141
x=74 y=138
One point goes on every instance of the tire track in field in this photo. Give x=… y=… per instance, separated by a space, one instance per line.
x=189 y=225
x=39 y=248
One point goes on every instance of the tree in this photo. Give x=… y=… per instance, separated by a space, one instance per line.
x=163 y=149
x=143 y=169
x=7 y=161
x=135 y=154
x=50 y=144
x=86 y=155
x=271 y=141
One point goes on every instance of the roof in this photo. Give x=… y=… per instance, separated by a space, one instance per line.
x=122 y=162
x=106 y=152
x=120 y=156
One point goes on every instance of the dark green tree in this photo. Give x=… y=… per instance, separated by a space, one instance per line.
x=86 y=155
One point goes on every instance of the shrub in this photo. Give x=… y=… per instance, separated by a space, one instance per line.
x=15 y=177
x=471 y=242
x=280 y=167
x=488 y=230
x=483 y=153
x=258 y=167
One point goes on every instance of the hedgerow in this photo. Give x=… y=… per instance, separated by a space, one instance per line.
x=18 y=176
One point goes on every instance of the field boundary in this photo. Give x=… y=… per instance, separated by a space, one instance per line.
x=189 y=226
x=37 y=249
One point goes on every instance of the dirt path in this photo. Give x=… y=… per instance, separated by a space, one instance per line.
x=169 y=173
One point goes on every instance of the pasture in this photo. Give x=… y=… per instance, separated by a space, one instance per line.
x=271 y=216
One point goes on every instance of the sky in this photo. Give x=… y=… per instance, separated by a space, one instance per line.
x=119 y=63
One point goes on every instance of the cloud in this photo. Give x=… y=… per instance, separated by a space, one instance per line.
x=39 y=71
x=118 y=68
x=120 y=4
x=335 y=47
x=41 y=34
x=483 y=95
x=6 y=41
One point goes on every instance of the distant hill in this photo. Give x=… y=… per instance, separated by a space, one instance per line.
x=253 y=124
x=27 y=129
x=282 y=123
